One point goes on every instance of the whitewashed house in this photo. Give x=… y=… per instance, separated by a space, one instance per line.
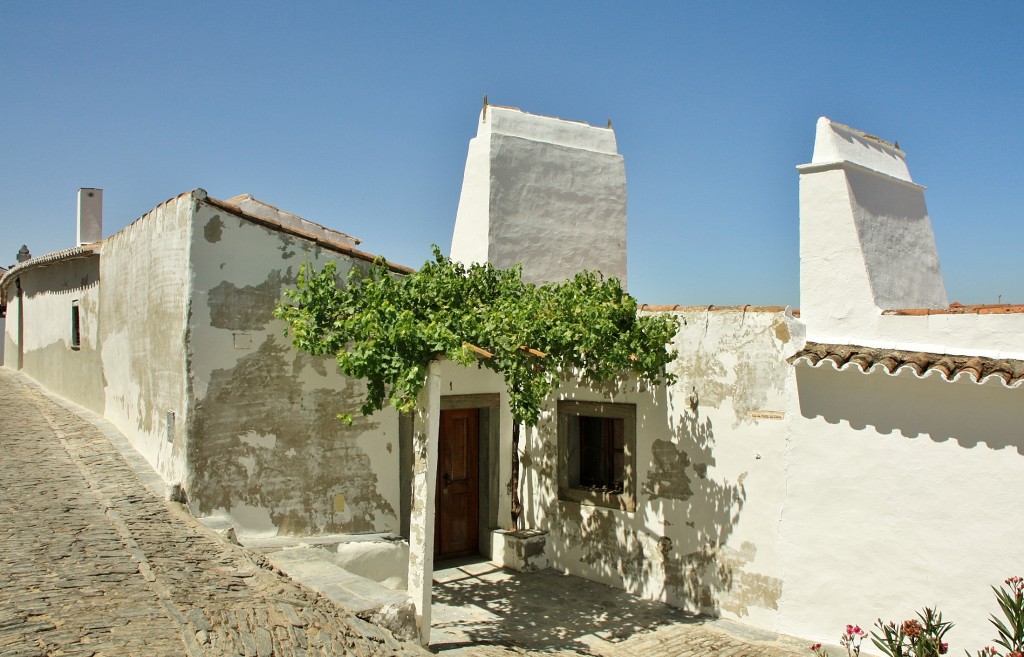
x=853 y=460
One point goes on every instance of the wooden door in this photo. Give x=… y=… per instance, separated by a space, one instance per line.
x=456 y=522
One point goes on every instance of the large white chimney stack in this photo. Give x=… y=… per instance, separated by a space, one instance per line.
x=90 y=215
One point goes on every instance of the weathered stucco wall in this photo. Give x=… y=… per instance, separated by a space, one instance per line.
x=267 y=448
x=901 y=493
x=145 y=285
x=49 y=293
x=710 y=451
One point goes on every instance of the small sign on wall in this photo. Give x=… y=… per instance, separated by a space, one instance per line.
x=766 y=415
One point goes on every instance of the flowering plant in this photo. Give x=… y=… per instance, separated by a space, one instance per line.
x=1011 y=632
x=916 y=637
x=851 y=640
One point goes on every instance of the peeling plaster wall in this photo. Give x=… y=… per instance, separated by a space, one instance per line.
x=145 y=285
x=902 y=493
x=267 y=448
x=49 y=293
x=708 y=481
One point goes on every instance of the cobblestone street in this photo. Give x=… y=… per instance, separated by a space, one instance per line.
x=95 y=564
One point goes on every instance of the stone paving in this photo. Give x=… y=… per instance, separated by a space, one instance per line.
x=93 y=564
x=484 y=611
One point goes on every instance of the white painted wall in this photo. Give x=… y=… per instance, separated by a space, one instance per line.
x=545 y=193
x=899 y=490
x=900 y=494
x=48 y=296
x=708 y=474
x=143 y=293
x=267 y=449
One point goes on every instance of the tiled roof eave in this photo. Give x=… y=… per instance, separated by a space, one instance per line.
x=83 y=251
x=337 y=247
x=922 y=365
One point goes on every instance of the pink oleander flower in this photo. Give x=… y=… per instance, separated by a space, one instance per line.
x=912 y=628
x=1014 y=653
x=815 y=646
x=943 y=648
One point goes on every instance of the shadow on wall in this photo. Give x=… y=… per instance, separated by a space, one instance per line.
x=963 y=411
x=698 y=511
x=685 y=561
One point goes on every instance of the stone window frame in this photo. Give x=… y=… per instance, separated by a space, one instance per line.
x=624 y=501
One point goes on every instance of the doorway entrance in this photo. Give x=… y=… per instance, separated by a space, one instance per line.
x=456 y=524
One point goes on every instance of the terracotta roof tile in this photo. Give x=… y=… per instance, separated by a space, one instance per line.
x=322 y=238
x=961 y=309
x=747 y=308
x=1010 y=372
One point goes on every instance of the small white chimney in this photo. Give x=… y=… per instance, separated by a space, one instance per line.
x=90 y=215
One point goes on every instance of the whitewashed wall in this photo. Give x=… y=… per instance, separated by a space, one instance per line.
x=143 y=293
x=708 y=474
x=267 y=448
x=545 y=193
x=48 y=295
x=901 y=493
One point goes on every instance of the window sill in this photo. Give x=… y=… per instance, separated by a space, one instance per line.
x=582 y=496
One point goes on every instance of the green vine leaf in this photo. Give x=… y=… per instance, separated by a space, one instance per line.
x=385 y=329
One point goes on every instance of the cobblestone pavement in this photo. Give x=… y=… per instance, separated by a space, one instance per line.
x=483 y=611
x=92 y=563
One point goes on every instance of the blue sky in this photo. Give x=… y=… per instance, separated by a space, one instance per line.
x=358 y=116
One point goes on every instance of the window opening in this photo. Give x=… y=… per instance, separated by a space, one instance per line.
x=597 y=443
x=76 y=335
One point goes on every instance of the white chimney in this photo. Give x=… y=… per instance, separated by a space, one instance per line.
x=90 y=215
x=545 y=193
x=866 y=241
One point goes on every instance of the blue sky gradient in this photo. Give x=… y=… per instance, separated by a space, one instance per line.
x=358 y=116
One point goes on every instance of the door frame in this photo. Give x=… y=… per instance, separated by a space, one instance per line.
x=487 y=507
x=488 y=456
